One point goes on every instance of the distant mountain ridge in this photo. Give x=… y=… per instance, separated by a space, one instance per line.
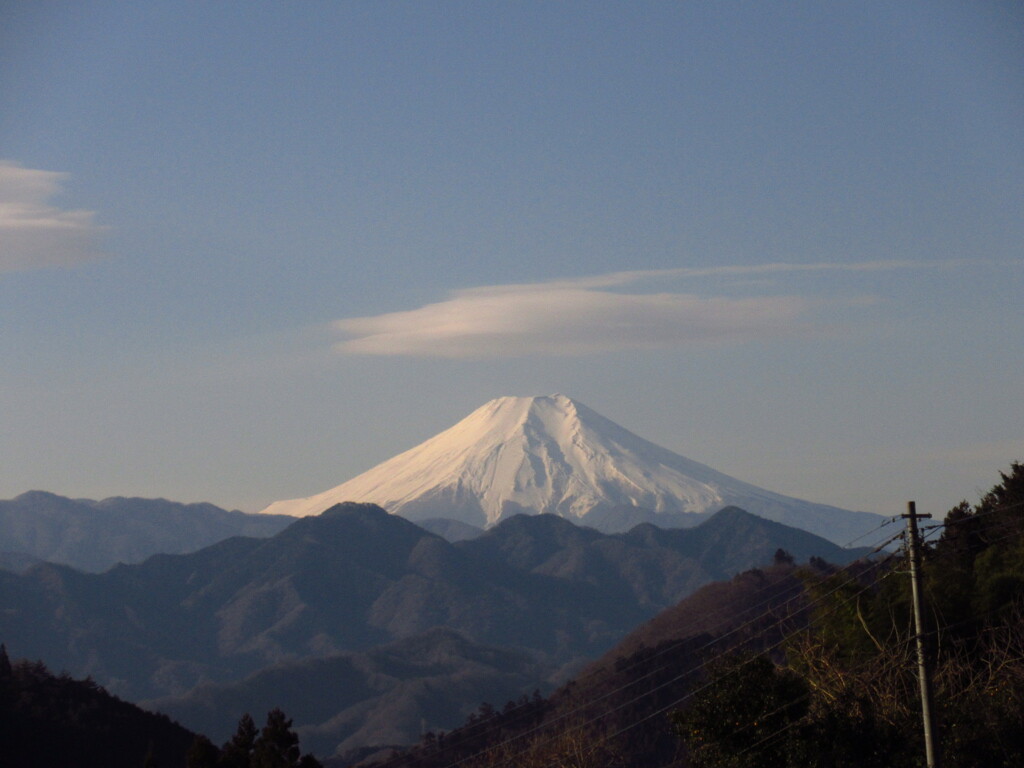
x=339 y=585
x=95 y=535
x=629 y=690
x=384 y=695
x=554 y=455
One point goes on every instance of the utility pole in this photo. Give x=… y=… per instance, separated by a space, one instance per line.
x=914 y=551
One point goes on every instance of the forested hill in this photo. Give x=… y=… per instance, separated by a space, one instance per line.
x=53 y=720
x=847 y=691
x=815 y=666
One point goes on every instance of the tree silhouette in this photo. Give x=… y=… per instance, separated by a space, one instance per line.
x=202 y=754
x=782 y=557
x=5 y=664
x=278 y=744
x=238 y=750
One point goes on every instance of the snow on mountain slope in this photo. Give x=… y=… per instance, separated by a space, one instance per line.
x=554 y=455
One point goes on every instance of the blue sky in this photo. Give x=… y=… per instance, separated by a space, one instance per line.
x=249 y=250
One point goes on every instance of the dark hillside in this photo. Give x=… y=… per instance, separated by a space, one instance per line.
x=50 y=720
x=846 y=693
x=349 y=579
x=389 y=694
x=356 y=578
x=651 y=566
x=638 y=681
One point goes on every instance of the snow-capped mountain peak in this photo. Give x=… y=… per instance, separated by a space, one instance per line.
x=551 y=454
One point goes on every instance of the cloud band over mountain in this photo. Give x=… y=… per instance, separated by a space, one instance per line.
x=590 y=315
x=560 y=319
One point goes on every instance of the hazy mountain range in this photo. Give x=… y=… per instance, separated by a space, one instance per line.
x=533 y=551
x=94 y=535
x=634 y=684
x=554 y=455
x=413 y=629
x=531 y=455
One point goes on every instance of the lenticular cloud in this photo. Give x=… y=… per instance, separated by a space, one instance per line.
x=567 y=318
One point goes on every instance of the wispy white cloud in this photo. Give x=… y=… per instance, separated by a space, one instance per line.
x=614 y=279
x=35 y=234
x=565 y=319
x=593 y=314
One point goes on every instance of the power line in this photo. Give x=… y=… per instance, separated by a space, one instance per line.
x=932 y=531
x=694 y=692
x=502 y=722
x=675 y=679
x=781 y=732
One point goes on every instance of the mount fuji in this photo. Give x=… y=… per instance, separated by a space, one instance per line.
x=554 y=455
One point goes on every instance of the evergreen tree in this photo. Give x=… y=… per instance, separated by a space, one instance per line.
x=202 y=754
x=278 y=744
x=5 y=664
x=238 y=751
x=7 y=695
x=846 y=696
x=745 y=716
x=782 y=557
